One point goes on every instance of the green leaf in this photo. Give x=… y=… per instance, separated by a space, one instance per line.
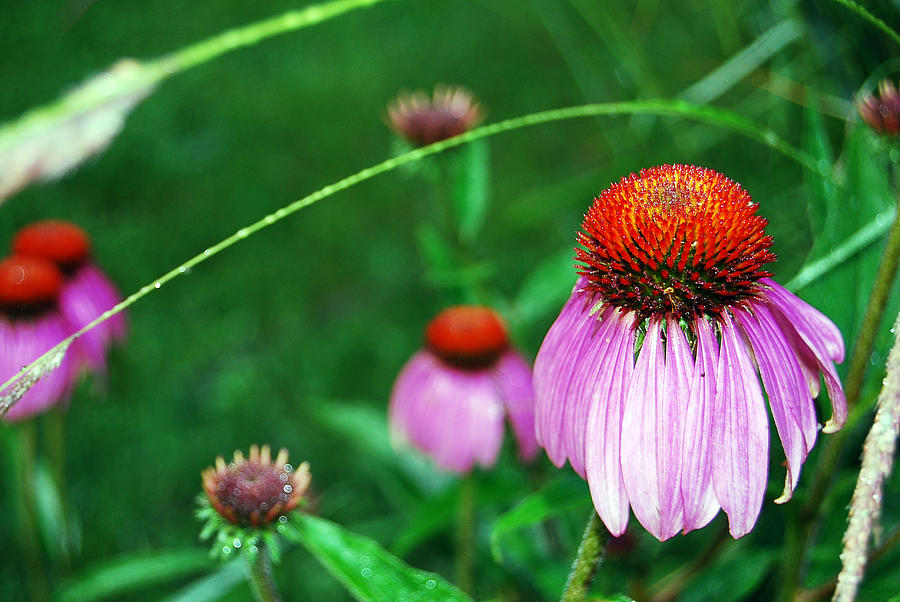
x=471 y=182
x=366 y=569
x=50 y=515
x=558 y=496
x=431 y=517
x=214 y=586
x=734 y=575
x=546 y=287
x=131 y=572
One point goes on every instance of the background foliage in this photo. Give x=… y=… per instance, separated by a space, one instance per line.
x=294 y=336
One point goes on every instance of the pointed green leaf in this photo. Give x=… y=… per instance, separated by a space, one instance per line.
x=366 y=569
x=559 y=495
x=128 y=573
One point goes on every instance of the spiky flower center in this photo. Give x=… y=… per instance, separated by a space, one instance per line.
x=255 y=491
x=28 y=285
x=467 y=336
x=61 y=242
x=674 y=241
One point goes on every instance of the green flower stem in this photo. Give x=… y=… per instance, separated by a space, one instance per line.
x=31 y=544
x=248 y=35
x=673 y=108
x=802 y=529
x=465 y=534
x=54 y=430
x=259 y=567
x=590 y=552
x=865 y=14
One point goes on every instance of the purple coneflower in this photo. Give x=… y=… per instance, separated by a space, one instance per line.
x=450 y=398
x=86 y=292
x=422 y=121
x=255 y=491
x=30 y=324
x=649 y=380
x=882 y=111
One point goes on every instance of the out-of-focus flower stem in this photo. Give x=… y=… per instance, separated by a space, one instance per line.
x=465 y=534
x=262 y=582
x=590 y=553
x=31 y=545
x=802 y=529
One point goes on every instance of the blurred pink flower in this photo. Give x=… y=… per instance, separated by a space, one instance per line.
x=450 y=399
x=86 y=292
x=30 y=324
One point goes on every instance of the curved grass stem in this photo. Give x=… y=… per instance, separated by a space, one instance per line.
x=673 y=108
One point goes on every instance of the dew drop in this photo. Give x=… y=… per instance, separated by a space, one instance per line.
x=288 y=489
x=207 y=252
x=288 y=468
x=366 y=572
x=226 y=549
x=236 y=543
x=282 y=519
x=430 y=584
x=253 y=549
x=157 y=284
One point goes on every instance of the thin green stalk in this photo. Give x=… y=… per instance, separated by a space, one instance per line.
x=465 y=535
x=802 y=530
x=54 y=427
x=262 y=583
x=241 y=37
x=590 y=553
x=865 y=14
x=673 y=108
x=31 y=545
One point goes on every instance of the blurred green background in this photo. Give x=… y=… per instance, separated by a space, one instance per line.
x=294 y=336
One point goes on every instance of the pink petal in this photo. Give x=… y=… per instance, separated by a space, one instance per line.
x=512 y=376
x=740 y=434
x=811 y=333
x=651 y=432
x=556 y=367
x=700 y=504
x=604 y=427
x=786 y=389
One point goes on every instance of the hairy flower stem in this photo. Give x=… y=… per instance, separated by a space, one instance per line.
x=590 y=552
x=801 y=531
x=672 y=108
x=262 y=582
x=877 y=461
x=465 y=534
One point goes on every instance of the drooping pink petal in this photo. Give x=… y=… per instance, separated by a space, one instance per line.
x=556 y=365
x=453 y=415
x=23 y=341
x=85 y=296
x=603 y=466
x=512 y=376
x=700 y=504
x=809 y=332
x=819 y=328
x=651 y=432
x=740 y=434
x=785 y=387
x=594 y=359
